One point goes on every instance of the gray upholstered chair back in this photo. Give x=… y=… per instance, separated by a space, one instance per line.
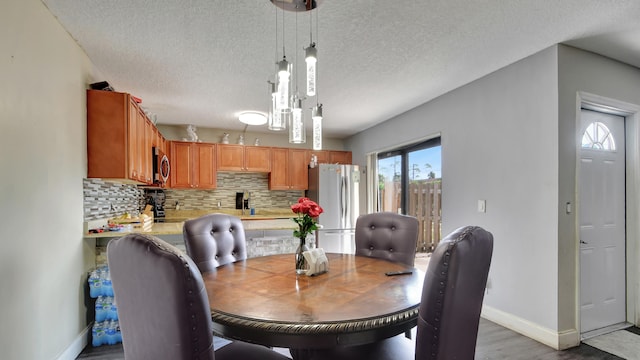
x=388 y=236
x=452 y=295
x=215 y=239
x=162 y=302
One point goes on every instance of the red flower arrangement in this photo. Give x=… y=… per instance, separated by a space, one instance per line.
x=307 y=210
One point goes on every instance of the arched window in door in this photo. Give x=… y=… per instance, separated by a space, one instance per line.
x=597 y=136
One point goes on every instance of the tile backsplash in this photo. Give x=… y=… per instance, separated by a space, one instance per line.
x=103 y=199
x=225 y=193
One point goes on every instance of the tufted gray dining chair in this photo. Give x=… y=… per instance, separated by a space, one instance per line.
x=387 y=235
x=449 y=312
x=163 y=305
x=215 y=239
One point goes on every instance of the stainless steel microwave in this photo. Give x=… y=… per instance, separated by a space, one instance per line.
x=161 y=167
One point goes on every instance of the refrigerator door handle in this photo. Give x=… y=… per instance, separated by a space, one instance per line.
x=342 y=206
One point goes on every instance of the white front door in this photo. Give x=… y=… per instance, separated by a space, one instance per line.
x=601 y=187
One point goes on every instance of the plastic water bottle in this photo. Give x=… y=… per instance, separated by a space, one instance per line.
x=101 y=313
x=111 y=336
x=107 y=287
x=114 y=310
x=95 y=284
x=97 y=334
x=106 y=305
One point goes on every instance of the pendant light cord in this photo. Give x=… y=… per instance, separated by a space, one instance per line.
x=276 y=47
x=317 y=68
x=295 y=73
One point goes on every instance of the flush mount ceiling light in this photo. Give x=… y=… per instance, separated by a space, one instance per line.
x=252 y=118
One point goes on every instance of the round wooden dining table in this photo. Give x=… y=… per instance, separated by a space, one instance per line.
x=262 y=300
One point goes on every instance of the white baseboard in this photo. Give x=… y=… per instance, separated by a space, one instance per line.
x=557 y=340
x=75 y=348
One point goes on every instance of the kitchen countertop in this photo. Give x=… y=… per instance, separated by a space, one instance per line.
x=175 y=220
x=261 y=214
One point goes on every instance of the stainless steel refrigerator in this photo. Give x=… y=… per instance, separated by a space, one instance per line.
x=335 y=188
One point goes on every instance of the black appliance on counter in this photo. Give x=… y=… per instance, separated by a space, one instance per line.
x=156 y=198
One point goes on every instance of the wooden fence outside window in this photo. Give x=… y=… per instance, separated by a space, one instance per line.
x=424 y=203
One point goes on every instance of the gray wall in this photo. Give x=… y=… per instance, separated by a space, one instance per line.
x=581 y=71
x=43 y=261
x=499 y=143
x=510 y=138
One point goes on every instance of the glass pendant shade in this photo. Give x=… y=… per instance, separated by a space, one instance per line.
x=283 y=84
x=276 y=121
x=297 y=133
x=311 y=59
x=316 y=117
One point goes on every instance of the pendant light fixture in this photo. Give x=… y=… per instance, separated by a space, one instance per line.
x=311 y=59
x=316 y=118
x=312 y=71
x=287 y=103
x=275 y=120
x=284 y=73
x=297 y=133
x=283 y=83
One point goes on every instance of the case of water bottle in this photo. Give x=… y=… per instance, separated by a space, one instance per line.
x=106 y=330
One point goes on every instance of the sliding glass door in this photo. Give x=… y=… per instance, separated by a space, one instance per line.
x=409 y=182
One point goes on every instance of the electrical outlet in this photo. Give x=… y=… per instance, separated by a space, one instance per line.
x=482 y=206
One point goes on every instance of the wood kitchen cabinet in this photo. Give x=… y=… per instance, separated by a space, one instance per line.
x=321 y=155
x=118 y=138
x=145 y=174
x=332 y=156
x=289 y=169
x=339 y=157
x=243 y=158
x=193 y=165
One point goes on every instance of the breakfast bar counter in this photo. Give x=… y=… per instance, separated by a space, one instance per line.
x=175 y=228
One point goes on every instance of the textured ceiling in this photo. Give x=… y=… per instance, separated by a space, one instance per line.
x=202 y=62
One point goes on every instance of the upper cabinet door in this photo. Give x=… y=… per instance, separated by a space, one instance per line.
x=193 y=165
x=279 y=175
x=205 y=165
x=181 y=176
x=230 y=157
x=243 y=158
x=257 y=158
x=298 y=169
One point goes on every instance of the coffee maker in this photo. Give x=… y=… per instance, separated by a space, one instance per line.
x=156 y=198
